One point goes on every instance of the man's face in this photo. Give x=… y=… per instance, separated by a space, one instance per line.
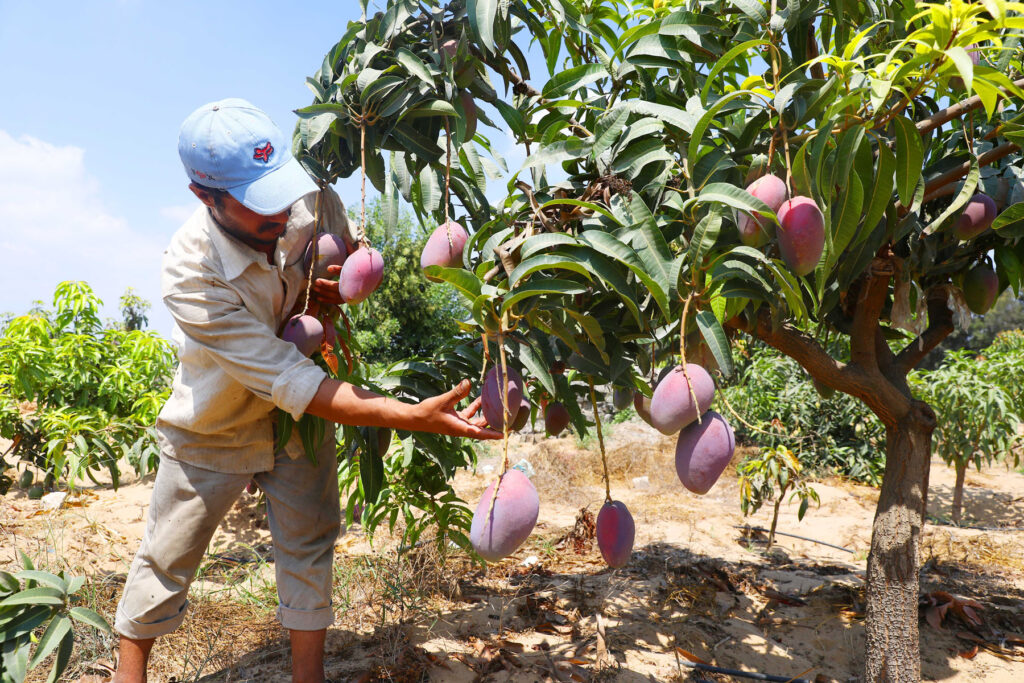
x=256 y=230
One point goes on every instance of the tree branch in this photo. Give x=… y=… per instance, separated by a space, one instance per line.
x=939 y=118
x=932 y=187
x=870 y=300
x=940 y=325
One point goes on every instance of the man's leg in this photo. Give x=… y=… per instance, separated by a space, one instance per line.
x=186 y=507
x=304 y=518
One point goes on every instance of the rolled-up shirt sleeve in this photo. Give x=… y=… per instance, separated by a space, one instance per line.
x=216 y=320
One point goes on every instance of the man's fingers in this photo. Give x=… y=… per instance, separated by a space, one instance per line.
x=334 y=270
x=475 y=432
x=457 y=393
x=472 y=408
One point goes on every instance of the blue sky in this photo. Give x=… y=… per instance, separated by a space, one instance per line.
x=94 y=92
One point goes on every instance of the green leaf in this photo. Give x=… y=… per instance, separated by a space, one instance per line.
x=481 y=22
x=609 y=127
x=539 y=287
x=14 y=659
x=430 y=108
x=537 y=367
x=586 y=205
x=881 y=192
x=730 y=195
x=716 y=340
x=59 y=627
x=88 y=616
x=463 y=280
x=961 y=199
x=546 y=240
x=909 y=158
x=704 y=236
x=44 y=578
x=702 y=125
x=557 y=152
x=671 y=115
x=846 y=217
x=849 y=142
x=35 y=596
x=1010 y=223
x=753 y=9
x=964 y=65
x=414 y=66
x=725 y=60
x=60 y=663
x=593 y=330
x=546 y=262
x=575 y=77
x=371 y=471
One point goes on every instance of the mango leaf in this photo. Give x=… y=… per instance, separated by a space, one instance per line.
x=730 y=195
x=88 y=616
x=573 y=78
x=593 y=330
x=35 y=596
x=546 y=240
x=724 y=61
x=608 y=245
x=539 y=287
x=609 y=127
x=466 y=282
x=716 y=340
x=481 y=22
x=557 y=152
x=849 y=142
x=881 y=192
x=597 y=208
x=537 y=367
x=846 y=217
x=705 y=121
x=909 y=158
x=964 y=65
x=961 y=199
x=753 y=9
x=59 y=627
x=1010 y=223
x=546 y=262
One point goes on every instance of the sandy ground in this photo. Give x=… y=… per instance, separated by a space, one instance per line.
x=697 y=587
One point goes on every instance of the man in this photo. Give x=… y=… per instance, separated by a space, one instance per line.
x=232 y=276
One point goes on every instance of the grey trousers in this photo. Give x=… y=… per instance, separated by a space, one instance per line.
x=187 y=505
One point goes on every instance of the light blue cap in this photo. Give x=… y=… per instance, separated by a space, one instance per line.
x=232 y=145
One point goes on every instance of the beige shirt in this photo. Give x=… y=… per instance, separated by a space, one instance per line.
x=228 y=303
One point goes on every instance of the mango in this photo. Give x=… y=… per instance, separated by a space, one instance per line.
x=522 y=415
x=801 y=234
x=755 y=231
x=305 y=332
x=440 y=251
x=621 y=398
x=672 y=406
x=361 y=275
x=977 y=217
x=703 y=451
x=981 y=288
x=642 y=406
x=615 y=533
x=556 y=418
x=330 y=251
x=26 y=479
x=497 y=533
x=492 y=406
x=449 y=48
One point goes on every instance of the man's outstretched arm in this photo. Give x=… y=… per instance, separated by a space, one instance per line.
x=345 y=403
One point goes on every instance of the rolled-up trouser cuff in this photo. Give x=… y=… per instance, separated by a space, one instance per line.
x=305 y=619
x=137 y=630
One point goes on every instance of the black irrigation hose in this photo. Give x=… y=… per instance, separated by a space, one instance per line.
x=743 y=674
x=782 y=533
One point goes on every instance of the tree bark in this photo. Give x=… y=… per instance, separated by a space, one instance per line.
x=958 y=492
x=893 y=646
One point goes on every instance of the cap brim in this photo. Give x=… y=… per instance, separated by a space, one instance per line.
x=277 y=190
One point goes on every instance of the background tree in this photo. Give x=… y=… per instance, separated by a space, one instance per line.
x=657 y=118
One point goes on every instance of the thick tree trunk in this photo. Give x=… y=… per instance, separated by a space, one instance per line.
x=958 y=492
x=893 y=649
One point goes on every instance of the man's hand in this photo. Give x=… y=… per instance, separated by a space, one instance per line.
x=326 y=293
x=439 y=415
x=344 y=403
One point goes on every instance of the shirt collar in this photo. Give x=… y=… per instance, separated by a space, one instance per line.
x=234 y=255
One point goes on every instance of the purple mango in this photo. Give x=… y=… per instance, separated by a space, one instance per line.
x=801 y=234
x=615 y=533
x=305 y=332
x=703 y=451
x=439 y=251
x=497 y=533
x=672 y=406
x=361 y=275
x=755 y=231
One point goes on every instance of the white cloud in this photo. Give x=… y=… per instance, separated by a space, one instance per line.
x=54 y=226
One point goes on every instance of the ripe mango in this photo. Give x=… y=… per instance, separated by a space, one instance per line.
x=361 y=275
x=615 y=533
x=556 y=418
x=522 y=414
x=305 y=332
x=642 y=406
x=621 y=398
x=497 y=533
x=330 y=251
x=755 y=231
x=672 y=406
x=439 y=251
x=492 y=406
x=703 y=451
x=977 y=217
x=801 y=234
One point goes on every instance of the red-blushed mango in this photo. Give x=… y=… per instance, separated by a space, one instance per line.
x=977 y=217
x=469 y=106
x=642 y=406
x=330 y=251
x=450 y=47
x=621 y=398
x=615 y=533
x=361 y=275
x=305 y=332
x=672 y=406
x=755 y=231
x=492 y=407
x=703 y=451
x=556 y=418
x=981 y=287
x=522 y=415
x=801 y=234
x=496 y=533
x=444 y=247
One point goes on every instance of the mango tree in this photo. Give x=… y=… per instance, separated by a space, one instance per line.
x=798 y=172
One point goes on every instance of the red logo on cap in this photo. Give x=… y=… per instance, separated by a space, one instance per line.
x=263 y=153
